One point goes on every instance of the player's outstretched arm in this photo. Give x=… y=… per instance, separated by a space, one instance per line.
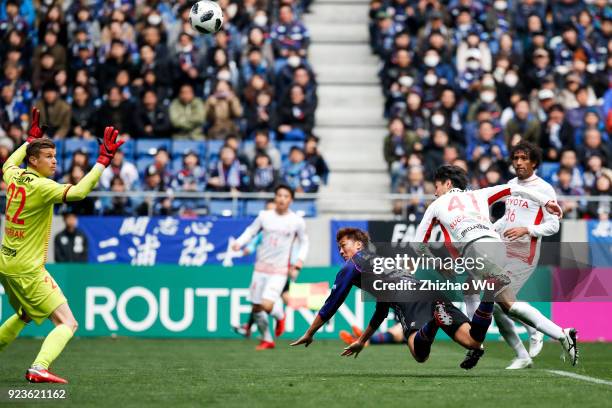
x=308 y=337
x=15 y=159
x=497 y=193
x=108 y=148
x=380 y=314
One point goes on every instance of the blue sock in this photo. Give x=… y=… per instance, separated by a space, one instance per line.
x=423 y=340
x=481 y=321
x=382 y=338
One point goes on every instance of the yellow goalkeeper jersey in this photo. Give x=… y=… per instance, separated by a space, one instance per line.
x=29 y=211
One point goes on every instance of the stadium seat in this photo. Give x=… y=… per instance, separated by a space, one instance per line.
x=147 y=147
x=253 y=207
x=129 y=148
x=305 y=208
x=285 y=147
x=59 y=148
x=71 y=145
x=180 y=147
x=142 y=163
x=547 y=170
x=213 y=149
x=224 y=208
x=247 y=143
x=177 y=163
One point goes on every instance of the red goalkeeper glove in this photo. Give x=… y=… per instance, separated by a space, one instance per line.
x=35 y=131
x=109 y=146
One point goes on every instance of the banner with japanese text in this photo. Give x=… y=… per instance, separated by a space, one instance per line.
x=151 y=241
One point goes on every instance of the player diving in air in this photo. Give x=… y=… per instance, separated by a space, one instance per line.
x=420 y=318
x=31 y=290
x=463 y=217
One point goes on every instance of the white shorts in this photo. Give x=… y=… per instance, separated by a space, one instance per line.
x=265 y=286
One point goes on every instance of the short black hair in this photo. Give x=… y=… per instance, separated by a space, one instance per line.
x=455 y=174
x=355 y=234
x=284 y=187
x=533 y=152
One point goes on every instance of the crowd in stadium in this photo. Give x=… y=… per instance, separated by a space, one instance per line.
x=465 y=80
x=228 y=112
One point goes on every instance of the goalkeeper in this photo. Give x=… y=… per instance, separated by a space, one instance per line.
x=30 y=196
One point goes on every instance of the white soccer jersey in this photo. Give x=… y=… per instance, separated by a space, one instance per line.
x=463 y=216
x=279 y=233
x=524 y=212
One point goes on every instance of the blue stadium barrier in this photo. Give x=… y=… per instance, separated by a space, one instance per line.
x=129 y=148
x=213 y=149
x=59 y=148
x=146 y=147
x=305 y=208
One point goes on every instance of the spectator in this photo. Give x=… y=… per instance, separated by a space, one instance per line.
x=569 y=161
x=191 y=178
x=593 y=145
x=570 y=49
x=299 y=174
x=398 y=143
x=288 y=33
x=262 y=145
x=83 y=112
x=296 y=115
x=151 y=119
x=557 y=134
x=11 y=110
x=161 y=162
x=54 y=112
x=85 y=206
x=487 y=143
x=71 y=244
x=222 y=108
x=311 y=150
x=563 y=187
x=603 y=188
x=120 y=167
x=523 y=126
x=594 y=168
x=261 y=113
x=154 y=205
x=413 y=184
x=114 y=112
x=264 y=176
x=117 y=205
x=434 y=152
x=228 y=174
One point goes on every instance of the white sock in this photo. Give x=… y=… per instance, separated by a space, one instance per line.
x=277 y=310
x=531 y=331
x=508 y=331
x=261 y=318
x=471 y=304
x=531 y=316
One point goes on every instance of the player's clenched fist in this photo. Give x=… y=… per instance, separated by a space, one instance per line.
x=109 y=146
x=35 y=131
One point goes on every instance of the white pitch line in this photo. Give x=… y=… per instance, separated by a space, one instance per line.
x=580 y=377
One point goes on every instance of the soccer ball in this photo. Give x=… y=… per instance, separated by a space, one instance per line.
x=206 y=17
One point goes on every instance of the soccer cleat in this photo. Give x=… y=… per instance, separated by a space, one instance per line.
x=346 y=337
x=265 y=345
x=520 y=363
x=471 y=358
x=570 y=345
x=443 y=318
x=244 y=330
x=280 y=327
x=42 y=375
x=536 y=343
x=357 y=332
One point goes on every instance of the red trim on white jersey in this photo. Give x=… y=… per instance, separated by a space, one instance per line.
x=534 y=240
x=499 y=195
x=428 y=233
x=448 y=243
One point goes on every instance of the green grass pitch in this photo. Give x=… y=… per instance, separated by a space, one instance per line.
x=144 y=372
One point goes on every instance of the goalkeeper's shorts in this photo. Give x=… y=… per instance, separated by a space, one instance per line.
x=37 y=295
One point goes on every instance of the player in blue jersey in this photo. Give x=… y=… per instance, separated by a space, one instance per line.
x=420 y=318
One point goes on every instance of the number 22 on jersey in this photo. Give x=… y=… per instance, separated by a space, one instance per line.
x=12 y=192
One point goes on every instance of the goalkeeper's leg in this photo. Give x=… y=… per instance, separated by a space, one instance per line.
x=54 y=344
x=11 y=329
